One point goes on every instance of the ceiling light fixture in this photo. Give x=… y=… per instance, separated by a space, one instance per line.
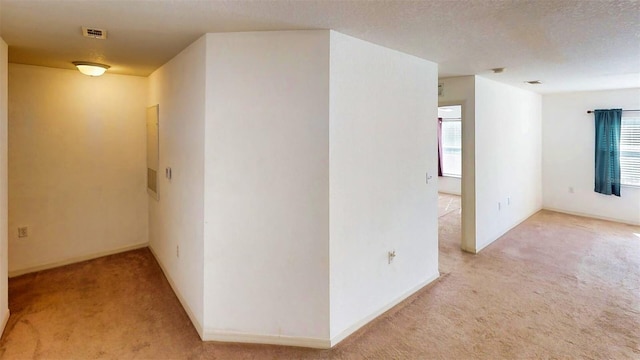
x=534 y=82
x=91 y=69
x=497 y=70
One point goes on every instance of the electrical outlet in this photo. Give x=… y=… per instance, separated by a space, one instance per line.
x=23 y=232
x=570 y=189
x=508 y=200
x=499 y=206
x=178 y=251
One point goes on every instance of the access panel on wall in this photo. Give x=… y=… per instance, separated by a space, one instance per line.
x=153 y=159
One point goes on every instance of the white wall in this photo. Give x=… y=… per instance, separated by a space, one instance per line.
x=461 y=91
x=508 y=158
x=383 y=140
x=4 y=300
x=176 y=220
x=76 y=166
x=450 y=185
x=568 y=155
x=267 y=187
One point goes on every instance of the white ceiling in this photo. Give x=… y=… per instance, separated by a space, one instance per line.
x=567 y=44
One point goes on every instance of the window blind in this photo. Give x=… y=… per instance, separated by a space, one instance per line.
x=630 y=151
x=452 y=147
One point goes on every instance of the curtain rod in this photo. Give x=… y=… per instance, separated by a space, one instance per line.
x=591 y=111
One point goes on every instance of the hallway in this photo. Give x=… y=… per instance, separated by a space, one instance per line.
x=449 y=233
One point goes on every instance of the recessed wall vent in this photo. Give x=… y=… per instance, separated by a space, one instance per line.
x=94 y=33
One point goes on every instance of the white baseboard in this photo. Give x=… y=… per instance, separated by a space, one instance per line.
x=592 y=216
x=7 y=313
x=183 y=302
x=518 y=222
x=449 y=192
x=236 y=337
x=353 y=328
x=18 y=272
x=316 y=343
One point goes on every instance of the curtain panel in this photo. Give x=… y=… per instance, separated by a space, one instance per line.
x=607 y=151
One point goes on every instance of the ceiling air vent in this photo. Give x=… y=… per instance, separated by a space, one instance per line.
x=94 y=33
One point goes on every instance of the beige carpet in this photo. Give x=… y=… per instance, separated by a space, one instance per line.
x=556 y=286
x=448 y=203
x=449 y=233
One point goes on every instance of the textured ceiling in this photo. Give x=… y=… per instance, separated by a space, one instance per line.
x=568 y=45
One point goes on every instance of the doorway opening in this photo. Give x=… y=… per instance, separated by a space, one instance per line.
x=450 y=119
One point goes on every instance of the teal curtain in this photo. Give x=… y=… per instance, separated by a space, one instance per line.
x=607 y=180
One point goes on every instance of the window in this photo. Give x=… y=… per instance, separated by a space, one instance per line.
x=451 y=140
x=630 y=151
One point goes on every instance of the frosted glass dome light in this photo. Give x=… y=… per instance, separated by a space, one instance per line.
x=91 y=69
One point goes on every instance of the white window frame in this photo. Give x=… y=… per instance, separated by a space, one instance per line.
x=630 y=144
x=445 y=174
